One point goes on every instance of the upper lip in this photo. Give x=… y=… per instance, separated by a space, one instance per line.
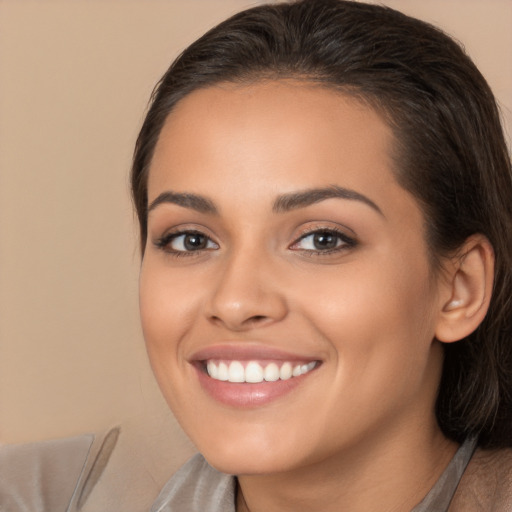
x=248 y=352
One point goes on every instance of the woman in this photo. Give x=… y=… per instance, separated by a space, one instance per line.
x=324 y=194
x=323 y=190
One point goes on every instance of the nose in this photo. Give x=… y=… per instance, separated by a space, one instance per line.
x=246 y=294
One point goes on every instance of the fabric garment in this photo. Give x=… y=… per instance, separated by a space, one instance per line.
x=53 y=476
x=197 y=487
x=60 y=476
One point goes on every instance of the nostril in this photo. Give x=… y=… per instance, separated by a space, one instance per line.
x=248 y=308
x=236 y=324
x=256 y=319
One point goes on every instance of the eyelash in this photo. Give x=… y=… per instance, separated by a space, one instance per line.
x=347 y=242
x=164 y=242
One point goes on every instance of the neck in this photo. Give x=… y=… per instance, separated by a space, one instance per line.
x=395 y=472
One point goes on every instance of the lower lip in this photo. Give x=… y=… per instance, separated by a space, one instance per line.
x=246 y=394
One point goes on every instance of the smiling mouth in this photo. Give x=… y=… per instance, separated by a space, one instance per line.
x=254 y=372
x=251 y=376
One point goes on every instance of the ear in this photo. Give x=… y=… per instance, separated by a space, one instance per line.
x=467 y=291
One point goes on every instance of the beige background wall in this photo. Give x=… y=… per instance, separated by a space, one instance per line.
x=75 y=77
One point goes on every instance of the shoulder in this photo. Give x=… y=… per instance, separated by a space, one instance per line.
x=122 y=468
x=486 y=484
x=52 y=475
x=197 y=487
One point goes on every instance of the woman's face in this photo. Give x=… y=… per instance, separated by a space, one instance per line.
x=281 y=251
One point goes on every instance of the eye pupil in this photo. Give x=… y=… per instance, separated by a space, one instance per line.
x=194 y=241
x=325 y=240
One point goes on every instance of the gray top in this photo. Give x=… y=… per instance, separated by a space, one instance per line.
x=440 y=496
x=53 y=476
x=197 y=487
x=59 y=476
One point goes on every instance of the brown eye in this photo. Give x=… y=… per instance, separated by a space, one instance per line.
x=323 y=240
x=186 y=241
x=193 y=241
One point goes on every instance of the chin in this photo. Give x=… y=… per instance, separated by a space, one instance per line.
x=249 y=457
x=246 y=464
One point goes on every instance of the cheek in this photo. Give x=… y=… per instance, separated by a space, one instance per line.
x=167 y=308
x=380 y=332
x=367 y=296
x=377 y=318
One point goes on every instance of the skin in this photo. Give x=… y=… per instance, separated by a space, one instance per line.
x=360 y=429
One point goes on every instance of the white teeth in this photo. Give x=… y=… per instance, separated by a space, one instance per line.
x=272 y=372
x=222 y=372
x=296 y=371
x=286 y=371
x=254 y=372
x=236 y=372
x=212 y=370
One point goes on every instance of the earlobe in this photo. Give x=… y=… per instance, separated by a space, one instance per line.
x=468 y=288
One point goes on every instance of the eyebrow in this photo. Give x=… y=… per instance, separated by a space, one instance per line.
x=308 y=197
x=282 y=204
x=193 y=201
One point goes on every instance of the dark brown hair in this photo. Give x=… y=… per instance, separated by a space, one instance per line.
x=450 y=152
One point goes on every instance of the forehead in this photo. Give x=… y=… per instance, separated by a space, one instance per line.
x=273 y=128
